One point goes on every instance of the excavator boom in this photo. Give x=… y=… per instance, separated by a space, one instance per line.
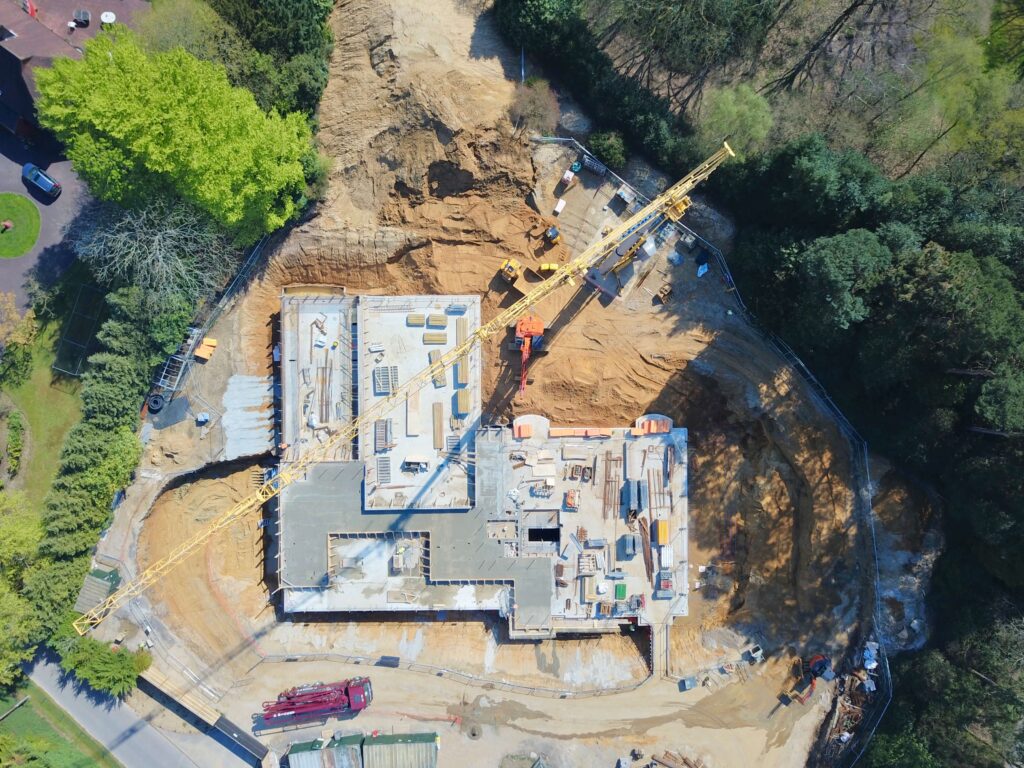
x=671 y=204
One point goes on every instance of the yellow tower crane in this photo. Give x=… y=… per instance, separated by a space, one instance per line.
x=670 y=205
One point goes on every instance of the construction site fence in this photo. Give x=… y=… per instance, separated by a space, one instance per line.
x=861 y=473
x=463 y=677
x=213 y=311
x=175 y=370
x=860 y=470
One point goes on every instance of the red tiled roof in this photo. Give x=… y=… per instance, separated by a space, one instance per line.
x=38 y=40
x=47 y=35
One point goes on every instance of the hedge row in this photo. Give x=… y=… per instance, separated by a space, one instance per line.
x=15 y=442
x=98 y=458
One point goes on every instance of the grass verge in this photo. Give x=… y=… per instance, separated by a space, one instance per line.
x=42 y=718
x=52 y=406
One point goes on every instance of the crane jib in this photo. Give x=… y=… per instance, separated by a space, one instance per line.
x=671 y=204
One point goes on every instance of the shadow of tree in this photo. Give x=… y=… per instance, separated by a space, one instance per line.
x=487 y=42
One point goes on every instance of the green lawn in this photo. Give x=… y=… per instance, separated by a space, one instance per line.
x=43 y=719
x=24 y=215
x=51 y=406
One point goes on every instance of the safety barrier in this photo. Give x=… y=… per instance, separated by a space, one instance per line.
x=855 y=748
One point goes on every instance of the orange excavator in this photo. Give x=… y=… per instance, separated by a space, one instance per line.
x=529 y=339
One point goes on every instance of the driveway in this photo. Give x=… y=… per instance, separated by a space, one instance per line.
x=131 y=739
x=54 y=214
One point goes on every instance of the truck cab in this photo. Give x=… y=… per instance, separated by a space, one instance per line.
x=360 y=694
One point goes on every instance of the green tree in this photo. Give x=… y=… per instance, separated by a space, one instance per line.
x=286 y=84
x=1002 y=240
x=807 y=187
x=19 y=536
x=530 y=22
x=899 y=750
x=1001 y=403
x=105 y=669
x=185 y=129
x=195 y=27
x=609 y=148
x=739 y=113
x=288 y=27
x=1006 y=36
x=15 y=365
x=18 y=627
x=51 y=588
x=923 y=202
x=986 y=504
x=32 y=752
x=15 y=441
x=836 y=276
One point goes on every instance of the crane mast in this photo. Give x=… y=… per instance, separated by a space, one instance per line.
x=670 y=205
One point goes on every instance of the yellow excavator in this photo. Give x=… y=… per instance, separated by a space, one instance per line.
x=512 y=269
x=668 y=206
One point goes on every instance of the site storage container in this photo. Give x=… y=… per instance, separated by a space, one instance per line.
x=660 y=531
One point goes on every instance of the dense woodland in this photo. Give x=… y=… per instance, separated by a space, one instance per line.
x=880 y=217
x=226 y=85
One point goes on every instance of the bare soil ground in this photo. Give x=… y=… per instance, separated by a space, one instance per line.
x=208 y=595
x=725 y=727
x=428 y=195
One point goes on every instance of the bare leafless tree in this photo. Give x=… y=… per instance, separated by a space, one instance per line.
x=535 y=107
x=167 y=247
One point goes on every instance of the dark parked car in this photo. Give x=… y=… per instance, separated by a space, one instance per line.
x=41 y=180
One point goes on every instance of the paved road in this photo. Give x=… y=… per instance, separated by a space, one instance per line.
x=132 y=740
x=54 y=215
